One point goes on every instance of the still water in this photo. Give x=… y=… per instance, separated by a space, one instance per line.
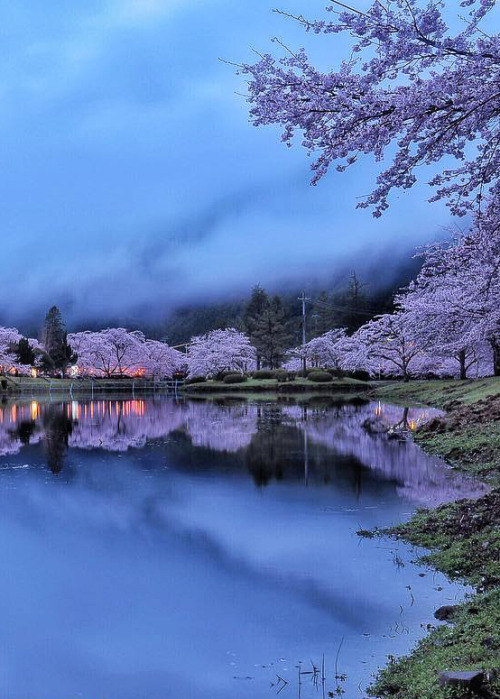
x=176 y=549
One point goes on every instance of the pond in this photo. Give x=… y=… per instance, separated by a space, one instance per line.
x=164 y=548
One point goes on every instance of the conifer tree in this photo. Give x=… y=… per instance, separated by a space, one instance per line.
x=270 y=336
x=253 y=315
x=25 y=353
x=59 y=354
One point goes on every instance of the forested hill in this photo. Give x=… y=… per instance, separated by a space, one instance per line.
x=348 y=302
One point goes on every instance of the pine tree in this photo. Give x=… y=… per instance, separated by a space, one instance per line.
x=25 y=352
x=253 y=315
x=59 y=354
x=270 y=336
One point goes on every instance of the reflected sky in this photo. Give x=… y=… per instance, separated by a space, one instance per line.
x=194 y=549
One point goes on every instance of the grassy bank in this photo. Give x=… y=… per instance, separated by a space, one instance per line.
x=298 y=385
x=463 y=539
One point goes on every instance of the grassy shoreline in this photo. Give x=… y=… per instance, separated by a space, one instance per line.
x=298 y=385
x=463 y=539
x=10 y=385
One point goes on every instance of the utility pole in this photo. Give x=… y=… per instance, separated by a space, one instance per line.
x=303 y=299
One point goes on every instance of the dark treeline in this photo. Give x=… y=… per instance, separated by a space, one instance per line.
x=348 y=303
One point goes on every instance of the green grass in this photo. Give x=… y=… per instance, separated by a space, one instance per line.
x=255 y=385
x=438 y=393
x=474 y=449
x=463 y=538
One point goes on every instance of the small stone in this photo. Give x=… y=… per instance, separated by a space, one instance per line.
x=446 y=612
x=466 y=679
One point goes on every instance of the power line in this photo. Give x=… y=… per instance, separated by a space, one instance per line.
x=369 y=313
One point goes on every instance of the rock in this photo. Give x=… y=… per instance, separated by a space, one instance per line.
x=466 y=679
x=374 y=426
x=446 y=612
x=396 y=435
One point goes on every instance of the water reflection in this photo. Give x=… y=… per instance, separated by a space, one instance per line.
x=320 y=441
x=199 y=549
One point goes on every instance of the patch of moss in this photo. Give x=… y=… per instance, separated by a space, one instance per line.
x=475 y=449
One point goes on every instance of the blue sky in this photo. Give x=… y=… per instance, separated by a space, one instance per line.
x=131 y=177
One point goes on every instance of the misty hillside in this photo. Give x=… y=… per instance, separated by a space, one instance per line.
x=334 y=305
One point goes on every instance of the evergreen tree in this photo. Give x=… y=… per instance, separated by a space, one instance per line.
x=25 y=353
x=59 y=354
x=253 y=314
x=270 y=336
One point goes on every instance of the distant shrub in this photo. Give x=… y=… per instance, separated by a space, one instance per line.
x=196 y=379
x=312 y=370
x=291 y=375
x=336 y=373
x=361 y=375
x=263 y=374
x=235 y=378
x=281 y=375
x=222 y=374
x=319 y=376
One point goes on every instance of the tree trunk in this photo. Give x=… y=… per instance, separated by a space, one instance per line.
x=463 y=366
x=406 y=376
x=495 y=345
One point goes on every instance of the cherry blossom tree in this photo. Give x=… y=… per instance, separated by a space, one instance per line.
x=412 y=88
x=9 y=340
x=440 y=303
x=324 y=351
x=220 y=350
x=9 y=351
x=456 y=296
x=390 y=343
x=119 y=352
x=161 y=361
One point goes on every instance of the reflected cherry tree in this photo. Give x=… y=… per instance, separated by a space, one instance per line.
x=272 y=441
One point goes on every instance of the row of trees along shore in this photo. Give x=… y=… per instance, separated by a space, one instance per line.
x=445 y=324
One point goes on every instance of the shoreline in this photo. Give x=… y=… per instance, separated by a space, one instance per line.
x=463 y=540
x=18 y=386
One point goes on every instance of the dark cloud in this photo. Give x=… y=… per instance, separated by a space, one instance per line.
x=132 y=181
